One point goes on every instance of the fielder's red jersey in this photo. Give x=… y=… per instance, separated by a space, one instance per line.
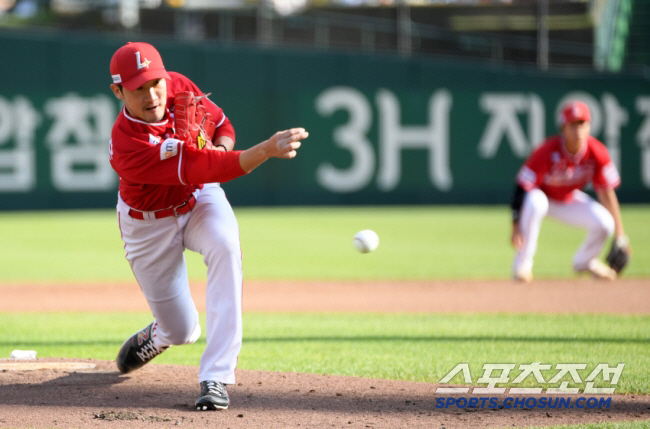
x=158 y=171
x=558 y=173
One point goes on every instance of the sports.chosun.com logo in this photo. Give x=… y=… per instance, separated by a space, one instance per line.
x=495 y=375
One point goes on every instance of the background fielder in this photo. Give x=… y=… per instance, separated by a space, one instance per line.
x=550 y=183
x=167 y=142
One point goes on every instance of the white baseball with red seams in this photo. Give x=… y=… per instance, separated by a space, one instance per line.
x=366 y=241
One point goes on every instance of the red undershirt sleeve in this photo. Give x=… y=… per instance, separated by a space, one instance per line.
x=208 y=166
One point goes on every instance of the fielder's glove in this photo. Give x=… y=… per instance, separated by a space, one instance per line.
x=193 y=124
x=619 y=254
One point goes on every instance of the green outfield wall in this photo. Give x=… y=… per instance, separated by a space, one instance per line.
x=383 y=130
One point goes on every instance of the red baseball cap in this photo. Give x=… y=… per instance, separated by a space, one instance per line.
x=136 y=63
x=575 y=111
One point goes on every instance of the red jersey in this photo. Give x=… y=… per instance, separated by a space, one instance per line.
x=158 y=171
x=558 y=173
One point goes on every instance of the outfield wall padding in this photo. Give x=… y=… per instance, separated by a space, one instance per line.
x=383 y=129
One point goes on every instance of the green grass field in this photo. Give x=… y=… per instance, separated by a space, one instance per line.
x=417 y=243
x=416 y=347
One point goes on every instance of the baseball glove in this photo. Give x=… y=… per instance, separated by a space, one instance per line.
x=619 y=254
x=193 y=124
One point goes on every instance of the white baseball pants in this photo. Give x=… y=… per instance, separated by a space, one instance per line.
x=583 y=212
x=154 y=248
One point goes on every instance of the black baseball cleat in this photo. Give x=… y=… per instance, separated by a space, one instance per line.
x=138 y=350
x=213 y=396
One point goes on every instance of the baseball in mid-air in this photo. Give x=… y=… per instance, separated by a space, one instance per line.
x=366 y=241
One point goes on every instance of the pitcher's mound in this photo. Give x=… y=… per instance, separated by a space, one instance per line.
x=33 y=364
x=96 y=395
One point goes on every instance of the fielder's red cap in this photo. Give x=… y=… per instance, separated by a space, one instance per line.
x=136 y=63
x=575 y=111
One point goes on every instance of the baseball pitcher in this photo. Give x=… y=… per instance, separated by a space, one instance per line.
x=171 y=146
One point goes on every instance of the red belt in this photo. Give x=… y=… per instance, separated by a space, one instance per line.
x=176 y=211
